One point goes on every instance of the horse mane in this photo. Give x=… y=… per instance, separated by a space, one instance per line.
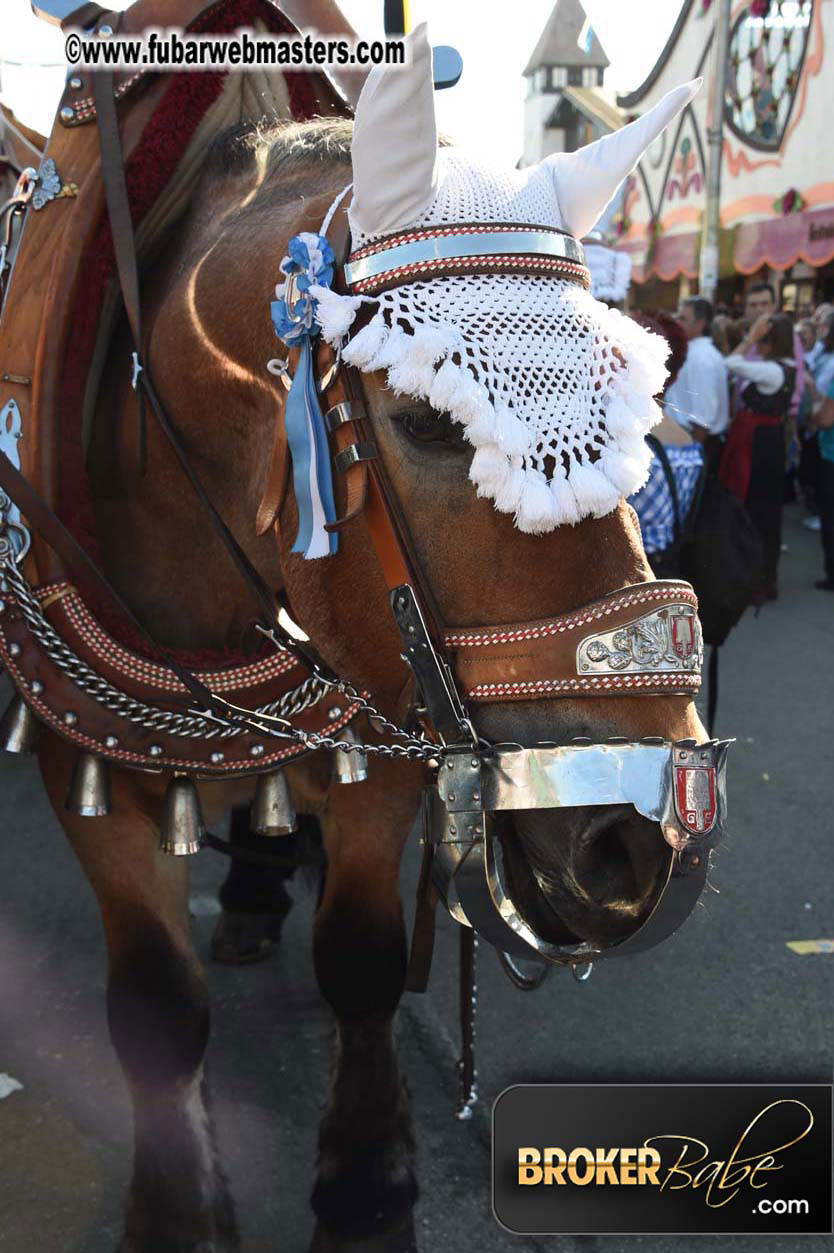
x=284 y=148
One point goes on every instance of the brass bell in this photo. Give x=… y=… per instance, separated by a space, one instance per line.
x=89 y=790
x=18 y=728
x=181 y=829
x=350 y=767
x=272 y=808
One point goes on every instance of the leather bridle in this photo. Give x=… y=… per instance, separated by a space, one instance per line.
x=581 y=654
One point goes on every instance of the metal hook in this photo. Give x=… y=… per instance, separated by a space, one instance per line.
x=279 y=368
x=582 y=971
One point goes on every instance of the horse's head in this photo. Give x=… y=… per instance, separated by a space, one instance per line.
x=551 y=391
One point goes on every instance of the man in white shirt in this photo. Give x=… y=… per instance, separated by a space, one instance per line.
x=699 y=397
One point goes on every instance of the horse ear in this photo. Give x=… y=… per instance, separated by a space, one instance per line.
x=395 y=143
x=585 y=181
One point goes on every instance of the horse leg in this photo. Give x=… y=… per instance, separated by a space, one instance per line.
x=365 y=1180
x=253 y=897
x=158 y=1015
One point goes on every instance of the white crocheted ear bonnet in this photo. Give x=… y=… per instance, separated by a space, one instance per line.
x=554 y=390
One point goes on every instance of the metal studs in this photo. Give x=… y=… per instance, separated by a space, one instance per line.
x=335 y=711
x=36 y=687
x=89 y=792
x=217 y=758
x=70 y=719
x=257 y=750
x=111 y=741
x=75 y=82
x=156 y=750
x=15 y=649
x=67 y=113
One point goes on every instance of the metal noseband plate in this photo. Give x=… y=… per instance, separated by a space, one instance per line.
x=680 y=786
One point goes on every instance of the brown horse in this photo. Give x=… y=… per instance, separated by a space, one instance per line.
x=586 y=873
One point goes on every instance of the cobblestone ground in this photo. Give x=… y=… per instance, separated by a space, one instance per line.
x=724 y=1000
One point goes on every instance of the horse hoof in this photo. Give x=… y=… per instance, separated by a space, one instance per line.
x=241 y=939
x=399 y=1239
x=365 y=1201
x=202 y=1246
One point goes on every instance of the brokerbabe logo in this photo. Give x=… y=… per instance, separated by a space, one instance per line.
x=668 y=1158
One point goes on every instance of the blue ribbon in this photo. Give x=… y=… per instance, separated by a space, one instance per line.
x=312 y=480
x=306 y=433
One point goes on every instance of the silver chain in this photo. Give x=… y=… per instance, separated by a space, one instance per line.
x=225 y=720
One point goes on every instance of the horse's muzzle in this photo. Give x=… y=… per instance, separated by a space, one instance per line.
x=679 y=786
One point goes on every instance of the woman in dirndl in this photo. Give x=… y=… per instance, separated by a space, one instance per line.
x=753 y=462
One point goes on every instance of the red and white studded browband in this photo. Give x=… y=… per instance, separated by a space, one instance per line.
x=465 y=248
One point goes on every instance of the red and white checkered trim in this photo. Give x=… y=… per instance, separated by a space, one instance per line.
x=528 y=263
x=488 y=638
x=148 y=673
x=684 y=683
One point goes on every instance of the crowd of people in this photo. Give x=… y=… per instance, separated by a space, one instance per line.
x=750 y=398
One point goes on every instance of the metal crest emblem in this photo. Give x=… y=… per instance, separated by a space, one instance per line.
x=682 y=635
x=666 y=640
x=695 y=795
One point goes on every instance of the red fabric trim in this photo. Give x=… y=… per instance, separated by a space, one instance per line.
x=166 y=137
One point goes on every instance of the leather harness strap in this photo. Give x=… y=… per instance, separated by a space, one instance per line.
x=121 y=226
x=70 y=551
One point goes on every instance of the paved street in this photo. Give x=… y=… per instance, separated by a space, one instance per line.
x=724 y=1000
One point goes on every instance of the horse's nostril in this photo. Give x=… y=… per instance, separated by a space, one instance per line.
x=594 y=871
x=604 y=867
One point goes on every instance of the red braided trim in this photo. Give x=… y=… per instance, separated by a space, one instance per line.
x=466 y=638
x=132 y=666
x=597 y=685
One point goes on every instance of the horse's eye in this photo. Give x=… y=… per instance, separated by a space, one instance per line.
x=425 y=426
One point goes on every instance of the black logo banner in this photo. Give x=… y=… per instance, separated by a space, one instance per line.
x=604 y=1159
